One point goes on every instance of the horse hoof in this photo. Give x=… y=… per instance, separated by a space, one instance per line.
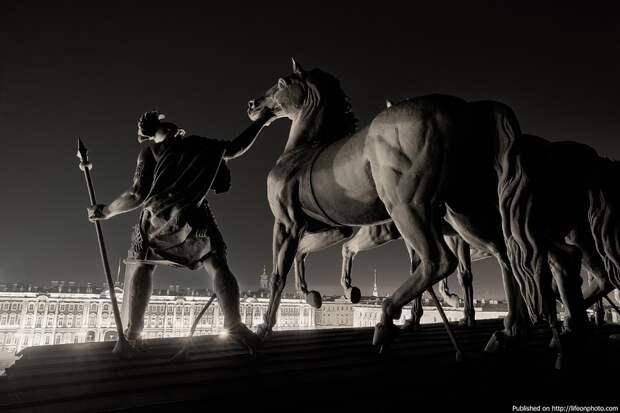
x=554 y=344
x=497 y=343
x=313 y=298
x=453 y=301
x=384 y=335
x=559 y=362
x=467 y=322
x=353 y=294
x=459 y=357
x=410 y=325
x=614 y=338
x=123 y=350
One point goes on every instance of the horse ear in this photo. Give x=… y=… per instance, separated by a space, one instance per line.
x=297 y=69
x=388 y=103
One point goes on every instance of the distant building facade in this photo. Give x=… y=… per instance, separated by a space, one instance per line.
x=369 y=314
x=37 y=318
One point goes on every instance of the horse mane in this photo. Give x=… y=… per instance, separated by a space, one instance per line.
x=604 y=216
x=515 y=203
x=339 y=121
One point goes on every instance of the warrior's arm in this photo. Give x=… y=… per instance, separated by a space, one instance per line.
x=243 y=142
x=134 y=196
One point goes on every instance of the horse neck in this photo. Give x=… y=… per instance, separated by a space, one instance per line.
x=308 y=123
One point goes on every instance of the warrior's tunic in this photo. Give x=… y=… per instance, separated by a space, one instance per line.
x=176 y=223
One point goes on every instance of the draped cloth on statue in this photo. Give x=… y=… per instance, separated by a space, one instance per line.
x=176 y=223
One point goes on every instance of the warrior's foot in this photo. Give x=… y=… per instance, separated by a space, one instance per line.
x=243 y=335
x=353 y=294
x=384 y=336
x=313 y=298
x=124 y=350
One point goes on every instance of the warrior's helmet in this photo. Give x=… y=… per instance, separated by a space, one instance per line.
x=151 y=122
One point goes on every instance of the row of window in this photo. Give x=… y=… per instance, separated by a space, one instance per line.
x=51 y=307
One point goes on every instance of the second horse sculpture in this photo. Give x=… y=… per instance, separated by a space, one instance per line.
x=414 y=163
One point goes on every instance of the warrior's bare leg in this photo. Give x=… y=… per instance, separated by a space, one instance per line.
x=366 y=238
x=286 y=236
x=313 y=242
x=227 y=291
x=138 y=289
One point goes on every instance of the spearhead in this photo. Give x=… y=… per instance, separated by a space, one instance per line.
x=82 y=154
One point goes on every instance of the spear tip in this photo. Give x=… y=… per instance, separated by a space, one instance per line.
x=82 y=152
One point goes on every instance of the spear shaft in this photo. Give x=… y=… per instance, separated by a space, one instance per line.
x=86 y=166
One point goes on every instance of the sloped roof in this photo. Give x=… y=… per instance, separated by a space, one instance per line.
x=309 y=369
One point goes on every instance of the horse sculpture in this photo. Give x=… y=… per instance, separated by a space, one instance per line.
x=370 y=237
x=413 y=164
x=558 y=203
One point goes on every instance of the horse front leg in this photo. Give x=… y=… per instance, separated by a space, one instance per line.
x=565 y=264
x=367 y=238
x=313 y=242
x=465 y=277
x=286 y=237
x=517 y=319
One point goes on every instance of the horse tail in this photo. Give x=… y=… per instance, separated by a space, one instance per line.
x=604 y=221
x=515 y=205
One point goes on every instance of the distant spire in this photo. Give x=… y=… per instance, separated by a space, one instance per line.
x=375 y=292
x=264 y=279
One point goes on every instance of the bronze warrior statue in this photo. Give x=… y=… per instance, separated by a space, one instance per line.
x=176 y=227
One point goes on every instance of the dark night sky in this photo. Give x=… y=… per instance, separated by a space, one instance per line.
x=75 y=70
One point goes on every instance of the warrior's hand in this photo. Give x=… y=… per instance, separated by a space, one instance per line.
x=97 y=212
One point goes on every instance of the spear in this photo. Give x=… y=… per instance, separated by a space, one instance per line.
x=122 y=348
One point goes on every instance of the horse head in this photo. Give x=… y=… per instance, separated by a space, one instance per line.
x=314 y=98
x=285 y=98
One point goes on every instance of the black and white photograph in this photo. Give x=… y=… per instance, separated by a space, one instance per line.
x=309 y=206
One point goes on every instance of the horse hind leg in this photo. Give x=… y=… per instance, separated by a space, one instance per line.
x=313 y=242
x=313 y=298
x=367 y=238
x=421 y=233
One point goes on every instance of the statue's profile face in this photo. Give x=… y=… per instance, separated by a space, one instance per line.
x=285 y=99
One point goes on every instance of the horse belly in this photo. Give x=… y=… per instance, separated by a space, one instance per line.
x=343 y=188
